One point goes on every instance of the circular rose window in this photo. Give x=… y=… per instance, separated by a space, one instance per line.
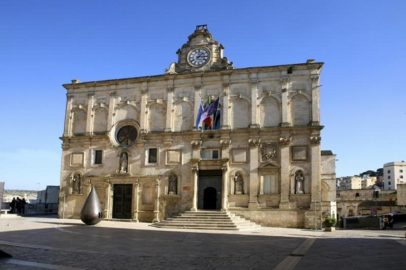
x=127 y=135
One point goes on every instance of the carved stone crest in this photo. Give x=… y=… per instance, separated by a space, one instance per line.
x=269 y=151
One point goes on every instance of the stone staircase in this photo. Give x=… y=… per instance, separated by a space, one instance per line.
x=208 y=220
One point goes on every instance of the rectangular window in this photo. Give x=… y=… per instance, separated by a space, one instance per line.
x=270 y=184
x=389 y=183
x=152 y=155
x=400 y=171
x=401 y=176
x=388 y=176
x=98 y=157
x=209 y=154
x=388 y=171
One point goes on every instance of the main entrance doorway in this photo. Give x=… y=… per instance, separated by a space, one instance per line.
x=122 y=200
x=209 y=190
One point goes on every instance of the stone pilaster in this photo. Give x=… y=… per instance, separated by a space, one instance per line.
x=254 y=96
x=225 y=124
x=169 y=109
x=284 y=143
x=136 y=192
x=108 y=204
x=90 y=118
x=143 y=113
x=285 y=85
x=315 y=84
x=315 y=159
x=197 y=101
x=195 y=172
x=112 y=104
x=68 y=114
x=156 y=206
x=254 y=181
x=224 y=204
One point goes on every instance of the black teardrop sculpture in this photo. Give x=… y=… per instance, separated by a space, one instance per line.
x=91 y=213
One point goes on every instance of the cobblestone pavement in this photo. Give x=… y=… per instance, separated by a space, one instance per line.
x=51 y=243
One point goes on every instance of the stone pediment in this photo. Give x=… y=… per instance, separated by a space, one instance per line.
x=269 y=166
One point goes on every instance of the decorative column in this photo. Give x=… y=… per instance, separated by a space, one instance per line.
x=108 y=204
x=169 y=107
x=315 y=84
x=112 y=104
x=156 y=208
x=195 y=172
x=254 y=96
x=136 y=192
x=224 y=204
x=68 y=115
x=89 y=119
x=316 y=169
x=285 y=85
x=254 y=177
x=143 y=113
x=284 y=142
x=226 y=110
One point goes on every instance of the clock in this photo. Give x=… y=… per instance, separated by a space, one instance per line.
x=127 y=135
x=198 y=57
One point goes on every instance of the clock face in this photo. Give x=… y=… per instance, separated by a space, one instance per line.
x=198 y=57
x=127 y=135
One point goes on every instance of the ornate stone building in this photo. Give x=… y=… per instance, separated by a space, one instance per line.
x=204 y=135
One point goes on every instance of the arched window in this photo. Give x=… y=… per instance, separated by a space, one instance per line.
x=100 y=121
x=241 y=113
x=300 y=111
x=270 y=112
x=157 y=117
x=79 y=122
x=183 y=117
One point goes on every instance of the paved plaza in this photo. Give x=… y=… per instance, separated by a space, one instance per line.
x=51 y=243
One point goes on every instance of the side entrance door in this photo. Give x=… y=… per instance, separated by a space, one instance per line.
x=122 y=201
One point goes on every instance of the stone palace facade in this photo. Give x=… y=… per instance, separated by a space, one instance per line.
x=204 y=135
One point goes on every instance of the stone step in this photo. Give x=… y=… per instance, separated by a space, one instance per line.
x=208 y=220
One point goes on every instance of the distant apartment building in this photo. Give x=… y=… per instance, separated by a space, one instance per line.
x=394 y=173
x=368 y=182
x=349 y=182
x=356 y=182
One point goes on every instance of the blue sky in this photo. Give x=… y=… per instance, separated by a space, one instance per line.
x=44 y=44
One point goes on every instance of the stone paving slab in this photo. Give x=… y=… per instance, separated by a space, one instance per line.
x=126 y=245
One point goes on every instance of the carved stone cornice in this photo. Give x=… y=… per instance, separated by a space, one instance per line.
x=314 y=78
x=315 y=139
x=196 y=144
x=253 y=142
x=225 y=143
x=285 y=140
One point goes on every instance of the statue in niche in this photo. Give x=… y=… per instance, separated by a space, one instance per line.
x=299 y=182
x=172 y=184
x=76 y=183
x=123 y=163
x=238 y=183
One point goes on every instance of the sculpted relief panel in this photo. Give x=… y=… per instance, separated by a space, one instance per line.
x=79 y=122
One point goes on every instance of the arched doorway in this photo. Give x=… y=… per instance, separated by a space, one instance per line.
x=210 y=198
x=209 y=190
